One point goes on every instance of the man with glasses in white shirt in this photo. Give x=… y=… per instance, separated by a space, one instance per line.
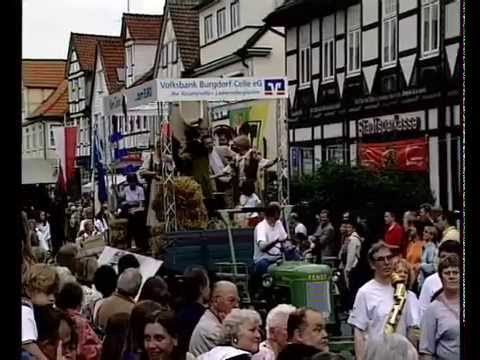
x=374 y=301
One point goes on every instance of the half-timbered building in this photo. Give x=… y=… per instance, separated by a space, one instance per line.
x=374 y=71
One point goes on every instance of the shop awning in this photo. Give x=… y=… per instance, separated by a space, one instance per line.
x=39 y=171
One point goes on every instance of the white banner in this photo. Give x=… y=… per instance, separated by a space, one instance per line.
x=148 y=265
x=198 y=89
x=143 y=94
x=222 y=89
x=112 y=105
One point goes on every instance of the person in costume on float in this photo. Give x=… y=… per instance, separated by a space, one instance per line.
x=245 y=165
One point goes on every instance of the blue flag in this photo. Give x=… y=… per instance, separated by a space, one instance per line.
x=98 y=158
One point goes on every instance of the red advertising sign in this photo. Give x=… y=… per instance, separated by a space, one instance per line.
x=407 y=155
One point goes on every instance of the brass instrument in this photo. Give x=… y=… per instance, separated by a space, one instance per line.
x=399 y=300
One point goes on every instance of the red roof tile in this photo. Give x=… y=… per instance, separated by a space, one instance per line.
x=39 y=73
x=55 y=105
x=142 y=26
x=112 y=53
x=185 y=23
x=85 y=45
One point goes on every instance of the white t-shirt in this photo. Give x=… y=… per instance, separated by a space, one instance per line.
x=29 y=326
x=300 y=228
x=250 y=201
x=266 y=233
x=431 y=285
x=372 y=307
x=43 y=233
x=134 y=195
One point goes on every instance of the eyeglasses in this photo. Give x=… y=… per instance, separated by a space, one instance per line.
x=386 y=258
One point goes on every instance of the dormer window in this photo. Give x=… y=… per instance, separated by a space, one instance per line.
x=173 y=52
x=130 y=63
x=164 y=55
x=99 y=82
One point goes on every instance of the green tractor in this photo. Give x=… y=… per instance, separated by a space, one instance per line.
x=303 y=285
x=312 y=286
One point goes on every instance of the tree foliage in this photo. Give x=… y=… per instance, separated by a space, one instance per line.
x=341 y=187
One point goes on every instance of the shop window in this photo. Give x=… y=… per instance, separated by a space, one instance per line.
x=335 y=153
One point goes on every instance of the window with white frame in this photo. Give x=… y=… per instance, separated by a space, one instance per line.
x=52 y=136
x=81 y=88
x=208 y=25
x=334 y=153
x=221 y=22
x=165 y=55
x=40 y=135
x=305 y=71
x=235 y=14
x=328 y=48
x=353 y=40
x=130 y=61
x=305 y=66
x=174 y=51
x=389 y=32
x=27 y=133
x=74 y=90
x=34 y=137
x=307 y=161
x=100 y=82
x=430 y=27
x=138 y=123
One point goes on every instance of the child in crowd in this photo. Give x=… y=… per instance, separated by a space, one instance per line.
x=41 y=285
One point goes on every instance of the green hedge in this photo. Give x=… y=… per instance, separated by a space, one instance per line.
x=341 y=187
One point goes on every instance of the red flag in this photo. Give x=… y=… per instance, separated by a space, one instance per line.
x=66 y=147
x=407 y=155
x=61 y=186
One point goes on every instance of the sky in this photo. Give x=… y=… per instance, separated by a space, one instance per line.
x=47 y=24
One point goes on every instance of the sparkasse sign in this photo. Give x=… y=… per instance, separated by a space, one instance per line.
x=390 y=123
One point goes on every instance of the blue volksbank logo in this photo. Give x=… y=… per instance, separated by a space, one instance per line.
x=274 y=87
